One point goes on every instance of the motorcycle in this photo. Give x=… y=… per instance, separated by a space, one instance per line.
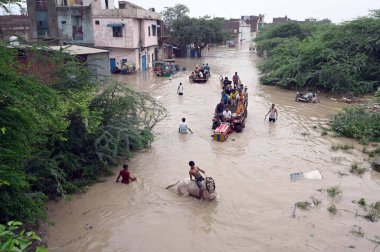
x=309 y=97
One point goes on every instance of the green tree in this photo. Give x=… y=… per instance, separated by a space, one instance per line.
x=59 y=132
x=199 y=31
x=172 y=13
x=338 y=58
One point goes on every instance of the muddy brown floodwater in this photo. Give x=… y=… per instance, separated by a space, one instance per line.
x=251 y=170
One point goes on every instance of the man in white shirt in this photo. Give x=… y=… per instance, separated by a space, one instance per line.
x=183 y=127
x=180 y=89
x=227 y=114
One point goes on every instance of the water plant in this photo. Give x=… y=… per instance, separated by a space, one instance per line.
x=362 y=202
x=304 y=205
x=356 y=169
x=373 y=212
x=334 y=191
x=332 y=209
x=357 y=231
x=342 y=147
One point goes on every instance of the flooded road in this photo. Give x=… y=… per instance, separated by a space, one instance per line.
x=251 y=170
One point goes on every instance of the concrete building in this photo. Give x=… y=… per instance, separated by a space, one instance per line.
x=256 y=22
x=74 y=20
x=233 y=26
x=281 y=20
x=128 y=31
x=15 y=25
x=97 y=60
x=43 y=19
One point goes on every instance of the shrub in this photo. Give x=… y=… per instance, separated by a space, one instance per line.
x=13 y=240
x=356 y=169
x=334 y=191
x=332 y=209
x=357 y=122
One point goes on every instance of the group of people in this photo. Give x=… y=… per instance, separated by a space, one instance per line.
x=234 y=97
x=201 y=71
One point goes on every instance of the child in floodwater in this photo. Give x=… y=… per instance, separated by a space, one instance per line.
x=125 y=175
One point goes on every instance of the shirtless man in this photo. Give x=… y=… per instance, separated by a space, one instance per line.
x=195 y=171
x=273 y=114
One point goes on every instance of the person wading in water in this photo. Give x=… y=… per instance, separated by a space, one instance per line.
x=195 y=171
x=125 y=175
x=273 y=114
x=180 y=89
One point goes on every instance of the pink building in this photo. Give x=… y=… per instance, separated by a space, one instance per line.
x=128 y=31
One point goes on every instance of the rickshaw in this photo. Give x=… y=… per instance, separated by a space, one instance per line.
x=165 y=67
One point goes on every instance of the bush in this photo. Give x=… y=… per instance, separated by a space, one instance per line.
x=334 y=191
x=13 y=240
x=357 y=122
x=356 y=169
x=58 y=132
x=338 y=58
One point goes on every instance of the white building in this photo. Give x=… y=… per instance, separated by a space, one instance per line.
x=128 y=31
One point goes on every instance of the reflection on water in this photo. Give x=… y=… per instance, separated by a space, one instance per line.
x=251 y=171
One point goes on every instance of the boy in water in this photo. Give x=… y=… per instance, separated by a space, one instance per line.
x=183 y=128
x=125 y=175
x=195 y=171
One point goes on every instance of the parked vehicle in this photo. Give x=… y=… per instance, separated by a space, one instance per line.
x=128 y=68
x=165 y=67
x=309 y=97
x=231 y=43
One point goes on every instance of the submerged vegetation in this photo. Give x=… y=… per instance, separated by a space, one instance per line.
x=334 y=191
x=342 y=147
x=332 y=209
x=358 y=122
x=59 y=132
x=342 y=58
x=356 y=169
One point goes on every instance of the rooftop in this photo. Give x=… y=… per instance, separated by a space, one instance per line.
x=78 y=50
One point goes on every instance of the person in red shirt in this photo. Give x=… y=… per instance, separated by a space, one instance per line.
x=125 y=175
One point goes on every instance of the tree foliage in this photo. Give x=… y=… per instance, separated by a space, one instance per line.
x=178 y=11
x=58 y=131
x=199 y=31
x=11 y=239
x=358 y=122
x=337 y=58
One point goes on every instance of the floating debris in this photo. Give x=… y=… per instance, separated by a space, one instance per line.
x=316 y=174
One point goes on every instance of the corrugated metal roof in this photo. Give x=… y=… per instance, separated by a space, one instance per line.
x=78 y=50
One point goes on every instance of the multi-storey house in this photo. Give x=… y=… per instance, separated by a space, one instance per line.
x=128 y=31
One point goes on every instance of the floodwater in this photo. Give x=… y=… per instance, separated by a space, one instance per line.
x=251 y=170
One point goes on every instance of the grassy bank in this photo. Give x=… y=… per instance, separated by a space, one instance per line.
x=342 y=58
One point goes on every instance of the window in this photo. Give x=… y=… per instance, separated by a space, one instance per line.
x=153 y=30
x=97 y=22
x=63 y=22
x=117 y=31
x=148 y=30
x=42 y=23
